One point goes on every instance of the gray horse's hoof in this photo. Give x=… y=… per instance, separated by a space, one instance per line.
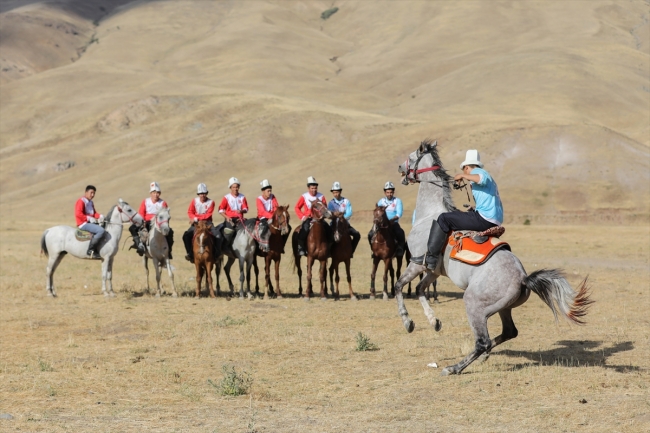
x=438 y=326
x=353 y=298
x=111 y=294
x=484 y=357
x=324 y=298
x=410 y=326
x=446 y=372
x=385 y=296
x=372 y=297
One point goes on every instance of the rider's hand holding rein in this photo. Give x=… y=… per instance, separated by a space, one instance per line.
x=466 y=174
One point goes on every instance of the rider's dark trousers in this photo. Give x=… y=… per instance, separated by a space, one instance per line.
x=458 y=220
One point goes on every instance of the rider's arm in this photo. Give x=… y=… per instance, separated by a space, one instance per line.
x=143 y=209
x=476 y=178
x=298 y=208
x=191 y=211
x=324 y=200
x=348 y=210
x=398 y=209
x=79 y=212
x=244 y=206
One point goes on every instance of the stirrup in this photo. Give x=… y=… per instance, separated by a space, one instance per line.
x=93 y=255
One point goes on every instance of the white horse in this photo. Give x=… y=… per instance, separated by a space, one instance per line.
x=495 y=287
x=243 y=250
x=58 y=241
x=158 y=251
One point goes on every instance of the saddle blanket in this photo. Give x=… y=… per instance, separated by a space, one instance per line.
x=465 y=249
x=83 y=235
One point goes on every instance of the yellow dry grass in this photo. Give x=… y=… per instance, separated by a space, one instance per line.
x=135 y=363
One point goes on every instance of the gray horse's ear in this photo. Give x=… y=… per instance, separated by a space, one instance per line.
x=121 y=202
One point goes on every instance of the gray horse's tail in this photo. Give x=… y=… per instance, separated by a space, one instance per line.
x=557 y=293
x=44 y=245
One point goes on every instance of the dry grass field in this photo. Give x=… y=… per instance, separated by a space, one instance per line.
x=81 y=362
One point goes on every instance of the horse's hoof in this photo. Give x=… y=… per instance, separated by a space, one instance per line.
x=267 y=297
x=279 y=297
x=111 y=294
x=353 y=298
x=157 y=295
x=447 y=371
x=484 y=357
x=438 y=325
x=324 y=298
x=305 y=298
x=106 y=295
x=174 y=295
x=372 y=297
x=410 y=326
x=385 y=296
x=51 y=295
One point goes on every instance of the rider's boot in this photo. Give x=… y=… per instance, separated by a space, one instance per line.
x=170 y=242
x=284 y=239
x=301 y=248
x=92 y=249
x=437 y=238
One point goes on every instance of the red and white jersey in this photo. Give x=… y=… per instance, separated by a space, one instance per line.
x=149 y=209
x=305 y=202
x=201 y=211
x=83 y=210
x=231 y=205
x=266 y=208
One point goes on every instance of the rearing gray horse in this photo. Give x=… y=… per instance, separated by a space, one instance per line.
x=497 y=286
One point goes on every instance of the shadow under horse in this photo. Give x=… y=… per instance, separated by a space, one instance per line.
x=384 y=247
x=317 y=249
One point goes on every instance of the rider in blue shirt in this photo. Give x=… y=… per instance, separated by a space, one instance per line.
x=394 y=210
x=342 y=204
x=488 y=212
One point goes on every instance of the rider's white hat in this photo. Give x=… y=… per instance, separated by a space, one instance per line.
x=265 y=184
x=153 y=186
x=389 y=185
x=311 y=180
x=201 y=189
x=472 y=158
x=336 y=186
x=232 y=181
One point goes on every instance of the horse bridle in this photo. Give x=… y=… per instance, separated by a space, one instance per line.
x=119 y=209
x=411 y=174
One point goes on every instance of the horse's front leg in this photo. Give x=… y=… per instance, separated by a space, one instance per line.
x=249 y=294
x=158 y=267
x=145 y=262
x=398 y=272
x=428 y=311
x=349 y=277
x=105 y=277
x=310 y=263
x=199 y=278
x=171 y=277
x=388 y=268
x=208 y=278
x=409 y=274
x=267 y=275
x=277 y=277
x=373 y=274
x=322 y=273
x=109 y=277
x=226 y=269
x=332 y=280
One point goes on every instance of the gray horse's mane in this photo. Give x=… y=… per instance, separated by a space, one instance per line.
x=446 y=178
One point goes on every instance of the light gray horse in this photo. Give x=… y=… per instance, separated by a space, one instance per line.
x=158 y=251
x=497 y=286
x=243 y=250
x=58 y=241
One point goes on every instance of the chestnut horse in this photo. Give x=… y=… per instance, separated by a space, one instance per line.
x=383 y=246
x=317 y=249
x=278 y=227
x=341 y=252
x=204 y=260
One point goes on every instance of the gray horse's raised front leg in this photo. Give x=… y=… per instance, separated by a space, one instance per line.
x=409 y=274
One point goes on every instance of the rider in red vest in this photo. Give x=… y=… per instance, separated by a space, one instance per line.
x=148 y=209
x=267 y=204
x=201 y=209
x=88 y=219
x=303 y=210
x=233 y=206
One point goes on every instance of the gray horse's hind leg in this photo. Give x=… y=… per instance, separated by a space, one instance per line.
x=508 y=332
x=226 y=269
x=52 y=264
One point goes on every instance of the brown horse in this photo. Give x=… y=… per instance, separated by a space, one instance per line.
x=383 y=246
x=341 y=252
x=279 y=227
x=203 y=247
x=317 y=246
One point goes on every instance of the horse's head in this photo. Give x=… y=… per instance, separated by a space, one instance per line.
x=281 y=219
x=320 y=211
x=379 y=217
x=162 y=221
x=424 y=159
x=127 y=214
x=340 y=226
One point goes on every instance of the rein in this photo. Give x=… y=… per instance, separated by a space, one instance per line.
x=121 y=223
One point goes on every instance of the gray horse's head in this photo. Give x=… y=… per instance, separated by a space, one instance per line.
x=421 y=160
x=127 y=213
x=161 y=221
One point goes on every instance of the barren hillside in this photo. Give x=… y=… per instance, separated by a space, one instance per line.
x=555 y=95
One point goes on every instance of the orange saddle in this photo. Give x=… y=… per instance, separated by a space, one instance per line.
x=467 y=250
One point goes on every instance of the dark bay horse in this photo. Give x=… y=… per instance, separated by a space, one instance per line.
x=279 y=228
x=317 y=249
x=383 y=246
x=341 y=252
x=204 y=260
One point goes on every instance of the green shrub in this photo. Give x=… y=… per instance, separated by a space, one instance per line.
x=364 y=344
x=527 y=222
x=233 y=383
x=328 y=13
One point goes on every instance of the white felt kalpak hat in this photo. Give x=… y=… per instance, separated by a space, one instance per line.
x=472 y=158
x=153 y=186
x=265 y=184
x=311 y=180
x=232 y=181
x=201 y=189
x=389 y=185
x=336 y=186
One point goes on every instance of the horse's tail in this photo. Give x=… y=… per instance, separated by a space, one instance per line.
x=44 y=244
x=553 y=288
